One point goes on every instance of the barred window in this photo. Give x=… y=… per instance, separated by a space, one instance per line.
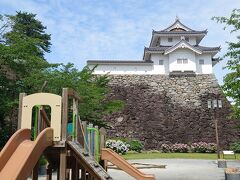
x=201 y=61
x=179 y=61
x=182 y=61
x=185 y=61
x=161 y=62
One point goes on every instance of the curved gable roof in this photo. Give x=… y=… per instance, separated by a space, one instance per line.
x=182 y=44
x=177 y=25
x=177 y=29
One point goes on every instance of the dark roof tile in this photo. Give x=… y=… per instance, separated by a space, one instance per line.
x=180 y=32
x=202 y=48
x=118 y=62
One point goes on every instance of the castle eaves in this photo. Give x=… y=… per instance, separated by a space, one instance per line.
x=178 y=33
x=119 y=62
x=202 y=48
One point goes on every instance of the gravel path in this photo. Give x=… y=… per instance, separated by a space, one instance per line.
x=178 y=169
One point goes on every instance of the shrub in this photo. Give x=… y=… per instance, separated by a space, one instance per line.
x=235 y=146
x=135 y=145
x=200 y=147
x=182 y=148
x=165 y=148
x=117 y=146
x=203 y=147
x=177 y=147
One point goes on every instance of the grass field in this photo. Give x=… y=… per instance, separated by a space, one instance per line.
x=157 y=155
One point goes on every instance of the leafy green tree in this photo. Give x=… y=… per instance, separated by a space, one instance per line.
x=23 y=43
x=93 y=90
x=231 y=85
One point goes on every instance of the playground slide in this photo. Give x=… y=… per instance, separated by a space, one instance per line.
x=87 y=161
x=110 y=155
x=20 y=154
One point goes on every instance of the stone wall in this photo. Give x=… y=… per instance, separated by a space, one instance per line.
x=162 y=109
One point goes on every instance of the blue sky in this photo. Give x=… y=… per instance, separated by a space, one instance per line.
x=119 y=29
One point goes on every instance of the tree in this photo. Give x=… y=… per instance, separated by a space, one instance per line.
x=23 y=43
x=24 y=26
x=231 y=85
x=22 y=46
x=92 y=89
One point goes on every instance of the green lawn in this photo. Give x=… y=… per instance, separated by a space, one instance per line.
x=157 y=155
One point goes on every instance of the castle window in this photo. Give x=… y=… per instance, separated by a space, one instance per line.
x=179 y=61
x=187 y=39
x=201 y=61
x=160 y=62
x=182 y=61
x=170 y=39
x=185 y=61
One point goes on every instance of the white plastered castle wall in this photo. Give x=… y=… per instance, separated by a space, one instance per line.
x=169 y=64
x=205 y=68
x=184 y=54
x=160 y=69
x=175 y=40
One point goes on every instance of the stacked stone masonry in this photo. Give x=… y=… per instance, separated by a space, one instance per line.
x=162 y=109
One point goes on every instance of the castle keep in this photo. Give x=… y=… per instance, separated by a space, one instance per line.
x=175 y=49
x=166 y=93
